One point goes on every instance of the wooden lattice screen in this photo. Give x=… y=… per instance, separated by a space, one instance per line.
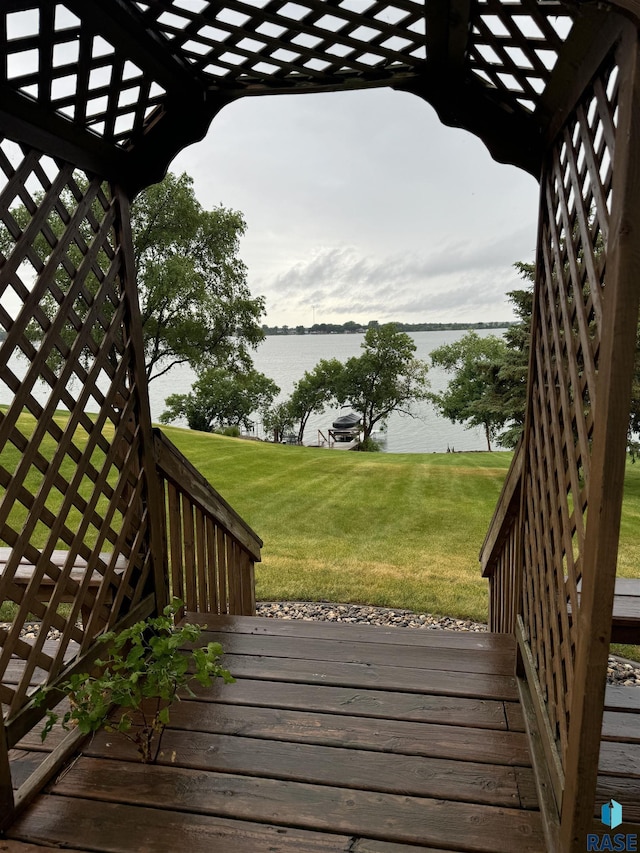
x=575 y=439
x=75 y=516
x=572 y=263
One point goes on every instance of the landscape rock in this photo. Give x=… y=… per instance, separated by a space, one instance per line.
x=620 y=672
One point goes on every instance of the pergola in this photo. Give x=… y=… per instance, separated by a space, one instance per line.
x=96 y=98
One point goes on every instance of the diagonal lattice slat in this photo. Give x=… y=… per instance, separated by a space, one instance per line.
x=515 y=47
x=248 y=44
x=74 y=527
x=64 y=57
x=576 y=206
x=60 y=59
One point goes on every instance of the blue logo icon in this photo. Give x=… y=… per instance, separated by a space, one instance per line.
x=611 y=814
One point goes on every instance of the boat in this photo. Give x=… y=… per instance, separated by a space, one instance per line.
x=347 y=422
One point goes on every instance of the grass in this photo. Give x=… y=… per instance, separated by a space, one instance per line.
x=400 y=530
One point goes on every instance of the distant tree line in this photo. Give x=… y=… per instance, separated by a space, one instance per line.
x=352 y=328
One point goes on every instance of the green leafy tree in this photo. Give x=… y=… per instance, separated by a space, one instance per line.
x=513 y=372
x=475 y=394
x=313 y=392
x=195 y=304
x=278 y=420
x=386 y=378
x=222 y=398
x=515 y=366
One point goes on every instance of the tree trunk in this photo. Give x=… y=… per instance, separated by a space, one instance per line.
x=487 y=433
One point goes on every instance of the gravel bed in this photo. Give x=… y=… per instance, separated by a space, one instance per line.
x=621 y=671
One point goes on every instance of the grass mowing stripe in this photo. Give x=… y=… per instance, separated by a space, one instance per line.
x=399 y=530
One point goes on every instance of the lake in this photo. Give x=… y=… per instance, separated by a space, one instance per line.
x=284 y=358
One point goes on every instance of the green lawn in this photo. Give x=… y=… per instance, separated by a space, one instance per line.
x=402 y=530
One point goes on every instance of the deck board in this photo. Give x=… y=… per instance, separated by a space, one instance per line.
x=495 y=662
x=359 y=632
x=388 y=736
x=339 y=674
x=323 y=745
x=422 y=707
x=619 y=765
x=386 y=817
x=403 y=774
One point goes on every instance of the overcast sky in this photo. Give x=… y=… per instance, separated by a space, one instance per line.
x=362 y=206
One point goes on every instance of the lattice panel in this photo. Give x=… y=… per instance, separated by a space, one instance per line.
x=515 y=46
x=59 y=60
x=576 y=204
x=249 y=43
x=111 y=69
x=73 y=518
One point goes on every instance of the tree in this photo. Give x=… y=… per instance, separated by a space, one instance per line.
x=513 y=373
x=195 y=303
x=313 y=392
x=222 y=398
x=386 y=378
x=475 y=394
x=277 y=420
x=514 y=370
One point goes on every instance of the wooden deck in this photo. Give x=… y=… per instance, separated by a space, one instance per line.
x=334 y=738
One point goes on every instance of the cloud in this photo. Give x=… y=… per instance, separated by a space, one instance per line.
x=459 y=277
x=361 y=205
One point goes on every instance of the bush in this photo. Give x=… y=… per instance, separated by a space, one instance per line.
x=145 y=666
x=369 y=445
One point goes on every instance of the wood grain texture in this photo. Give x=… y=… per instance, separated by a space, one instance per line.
x=370 y=769
x=352 y=651
x=460 y=742
x=336 y=673
x=422 y=707
x=304 y=806
x=125 y=828
x=355 y=632
x=360 y=769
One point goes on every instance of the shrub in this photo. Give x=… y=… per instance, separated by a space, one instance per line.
x=141 y=676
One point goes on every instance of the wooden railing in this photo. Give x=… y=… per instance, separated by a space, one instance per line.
x=210 y=553
x=211 y=550
x=499 y=553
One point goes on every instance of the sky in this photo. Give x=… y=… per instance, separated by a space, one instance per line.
x=362 y=206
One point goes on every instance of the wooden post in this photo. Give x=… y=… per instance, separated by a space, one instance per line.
x=6 y=788
x=611 y=420
x=155 y=491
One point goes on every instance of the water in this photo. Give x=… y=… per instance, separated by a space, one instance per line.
x=284 y=358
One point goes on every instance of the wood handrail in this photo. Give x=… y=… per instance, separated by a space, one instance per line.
x=211 y=551
x=173 y=465
x=505 y=514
